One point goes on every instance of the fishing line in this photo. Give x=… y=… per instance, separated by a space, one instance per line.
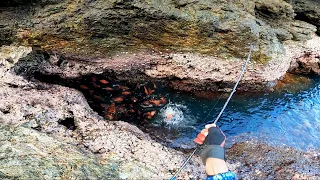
x=219 y=115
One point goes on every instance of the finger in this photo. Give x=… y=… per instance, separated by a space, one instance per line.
x=201 y=137
x=198 y=141
x=210 y=125
x=205 y=132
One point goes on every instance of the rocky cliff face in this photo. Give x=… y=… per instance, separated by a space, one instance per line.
x=220 y=30
x=189 y=44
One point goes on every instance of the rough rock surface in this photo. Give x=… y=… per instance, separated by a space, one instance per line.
x=34 y=136
x=307 y=11
x=305 y=57
x=252 y=160
x=32 y=109
x=97 y=31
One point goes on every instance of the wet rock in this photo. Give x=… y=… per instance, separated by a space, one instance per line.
x=309 y=63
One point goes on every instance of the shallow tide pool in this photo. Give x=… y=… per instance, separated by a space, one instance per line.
x=290 y=118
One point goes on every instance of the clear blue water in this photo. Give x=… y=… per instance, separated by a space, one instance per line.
x=278 y=118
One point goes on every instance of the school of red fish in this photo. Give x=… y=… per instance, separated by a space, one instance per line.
x=114 y=101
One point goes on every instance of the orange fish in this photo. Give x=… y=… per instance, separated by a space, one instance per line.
x=118 y=99
x=83 y=87
x=169 y=116
x=126 y=92
x=98 y=97
x=146 y=90
x=156 y=102
x=111 y=109
x=154 y=85
x=151 y=114
x=163 y=100
x=108 y=88
x=150 y=91
x=104 y=81
x=123 y=87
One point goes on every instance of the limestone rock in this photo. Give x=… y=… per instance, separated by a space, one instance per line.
x=308 y=11
x=302 y=30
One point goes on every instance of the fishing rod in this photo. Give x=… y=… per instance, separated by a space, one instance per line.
x=219 y=115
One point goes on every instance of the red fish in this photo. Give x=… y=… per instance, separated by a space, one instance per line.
x=163 y=100
x=108 y=88
x=111 y=109
x=83 y=87
x=123 y=87
x=148 y=91
x=150 y=114
x=156 y=102
x=118 y=99
x=94 y=79
x=126 y=92
x=98 y=98
x=103 y=81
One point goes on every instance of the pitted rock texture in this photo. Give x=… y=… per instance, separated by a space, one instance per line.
x=31 y=135
x=120 y=150
x=308 y=11
x=109 y=32
x=252 y=160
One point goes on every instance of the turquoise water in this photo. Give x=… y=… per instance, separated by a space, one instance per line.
x=278 y=118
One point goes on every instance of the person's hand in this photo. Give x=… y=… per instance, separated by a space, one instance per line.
x=212 y=140
x=216 y=136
